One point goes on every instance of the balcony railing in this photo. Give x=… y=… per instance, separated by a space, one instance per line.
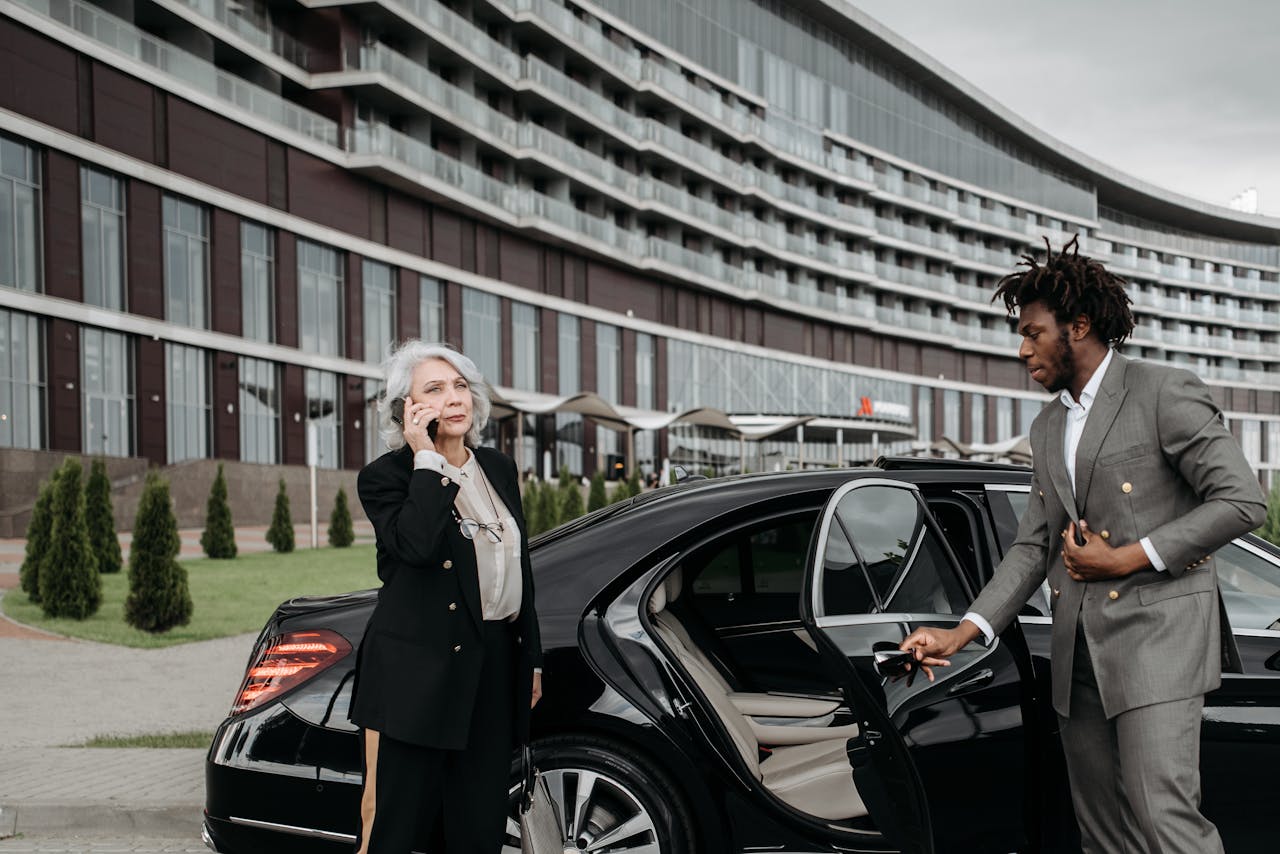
x=123 y=38
x=257 y=30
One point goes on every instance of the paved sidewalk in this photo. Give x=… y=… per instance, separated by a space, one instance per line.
x=101 y=844
x=62 y=692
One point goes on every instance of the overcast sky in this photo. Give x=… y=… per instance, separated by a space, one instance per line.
x=1182 y=93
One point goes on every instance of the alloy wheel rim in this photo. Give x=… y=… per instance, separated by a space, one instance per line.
x=599 y=814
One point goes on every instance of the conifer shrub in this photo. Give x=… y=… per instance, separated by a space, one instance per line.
x=1270 y=530
x=532 y=507
x=570 y=497
x=158 y=595
x=219 y=537
x=39 y=530
x=341 y=532
x=549 y=504
x=633 y=483
x=280 y=534
x=69 y=582
x=596 y=497
x=100 y=519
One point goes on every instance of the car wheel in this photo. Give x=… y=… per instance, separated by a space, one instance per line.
x=610 y=801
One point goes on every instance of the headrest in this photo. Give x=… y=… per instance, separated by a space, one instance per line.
x=674 y=584
x=658 y=600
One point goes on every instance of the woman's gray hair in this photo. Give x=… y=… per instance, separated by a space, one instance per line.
x=397 y=374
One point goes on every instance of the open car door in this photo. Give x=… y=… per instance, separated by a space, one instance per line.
x=942 y=765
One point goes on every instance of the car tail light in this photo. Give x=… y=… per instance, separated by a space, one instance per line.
x=286 y=661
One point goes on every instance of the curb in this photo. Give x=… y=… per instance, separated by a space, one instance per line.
x=177 y=821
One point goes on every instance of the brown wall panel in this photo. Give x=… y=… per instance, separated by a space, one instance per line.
x=974 y=366
x=549 y=344
x=324 y=193
x=152 y=441
x=909 y=357
x=1239 y=400
x=753 y=327
x=865 y=352
x=353 y=422
x=446 y=237
x=1006 y=373
x=408 y=297
x=660 y=389
x=218 y=152
x=293 y=417
x=614 y=289
x=888 y=353
x=628 y=368
x=63 y=350
x=553 y=271
x=453 y=314
x=488 y=251
x=719 y=311
x=61 y=203
x=520 y=262
x=505 y=333
x=966 y=418
x=37 y=77
x=935 y=361
x=145 y=267
x=123 y=113
x=227 y=302
x=353 y=307
x=406 y=224
x=226 y=393
x=286 y=289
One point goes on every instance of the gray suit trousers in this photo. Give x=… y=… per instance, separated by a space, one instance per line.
x=1135 y=779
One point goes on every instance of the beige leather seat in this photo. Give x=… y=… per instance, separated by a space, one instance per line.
x=812 y=772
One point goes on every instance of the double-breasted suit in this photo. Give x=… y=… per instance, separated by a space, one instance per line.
x=448 y=691
x=1156 y=461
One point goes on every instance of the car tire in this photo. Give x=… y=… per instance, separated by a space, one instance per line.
x=623 y=788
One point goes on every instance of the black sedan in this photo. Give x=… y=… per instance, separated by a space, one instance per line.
x=712 y=684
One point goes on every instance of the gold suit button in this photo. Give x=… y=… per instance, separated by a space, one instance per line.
x=444 y=481
x=453 y=606
x=1106 y=535
x=1042 y=493
x=448 y=564
x=458 y=648
x=1113 y=595
x=1057 y=592
x=1126 y=487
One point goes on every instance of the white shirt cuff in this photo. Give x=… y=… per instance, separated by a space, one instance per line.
x=426 y=459
x=1152 y=555
x=981 y=622
x=537 y=670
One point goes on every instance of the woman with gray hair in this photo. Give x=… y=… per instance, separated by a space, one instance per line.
x=449 y=666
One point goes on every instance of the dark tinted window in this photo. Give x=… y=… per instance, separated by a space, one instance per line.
x=1250 y=585
x=765 y=558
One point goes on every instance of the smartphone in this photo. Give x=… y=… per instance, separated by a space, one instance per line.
x=397 y=410
x=894 y=663
x=432 y=428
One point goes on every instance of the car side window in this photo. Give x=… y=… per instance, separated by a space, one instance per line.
x=1250 y=585
x=777 y=556
x=722 y=573
x=884 y=532
x=1007 y=509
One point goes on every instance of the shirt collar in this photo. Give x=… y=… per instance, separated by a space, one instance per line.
x=1090 y=390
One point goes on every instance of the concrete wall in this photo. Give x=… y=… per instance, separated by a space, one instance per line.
x=251 y=489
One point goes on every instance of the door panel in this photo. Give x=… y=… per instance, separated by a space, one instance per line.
x=953 y=753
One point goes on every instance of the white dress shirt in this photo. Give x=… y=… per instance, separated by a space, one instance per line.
x=1077 y=417
x=497 y=564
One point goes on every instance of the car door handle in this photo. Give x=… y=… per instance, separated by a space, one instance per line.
x=977 y=680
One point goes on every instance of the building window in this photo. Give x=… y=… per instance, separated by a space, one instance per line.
x=1028 y=409
x=431 y=310
x=1273 y=441
x=1251 y=441
x=319 y=299
x=951 y=415
x=257 y=281
x=646 y=444
x=379 y=310
x=21 y=381
x=608 y=363
x=102 y=238
x=259 y=411
x=1004 y=418
x=189 y=404
x=324 y=410
x=107 y=386
x=482 y=332
x=524 y=346
x=19 y=216
x=569 y=426
x=186 y=262
x=924 y=414
x=978 y=418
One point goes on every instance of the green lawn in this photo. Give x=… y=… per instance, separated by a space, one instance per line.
x=231 y=597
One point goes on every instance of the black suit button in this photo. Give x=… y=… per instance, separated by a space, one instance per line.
x=519 y=639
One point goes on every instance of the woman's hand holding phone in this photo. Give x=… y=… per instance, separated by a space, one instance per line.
x=418 y=420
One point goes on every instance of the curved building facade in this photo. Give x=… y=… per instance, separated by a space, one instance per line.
x=216 y=217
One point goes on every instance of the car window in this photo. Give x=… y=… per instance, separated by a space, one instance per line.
x=1250 y=585
x=1007 y=509
x=764 y=558
x=777 y=556
x=883 y=531
x=722 y=573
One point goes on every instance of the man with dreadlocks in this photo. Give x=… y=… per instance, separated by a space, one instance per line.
x=1136 y=483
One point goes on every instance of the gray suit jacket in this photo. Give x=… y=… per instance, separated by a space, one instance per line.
x=1155 y=460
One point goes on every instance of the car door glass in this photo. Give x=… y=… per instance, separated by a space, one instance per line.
x=777 y=556
x=903 y=557
x=1250 y=585
x=722 y=573
x=845 y=589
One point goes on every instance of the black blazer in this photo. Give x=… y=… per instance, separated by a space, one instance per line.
x=418 y=667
